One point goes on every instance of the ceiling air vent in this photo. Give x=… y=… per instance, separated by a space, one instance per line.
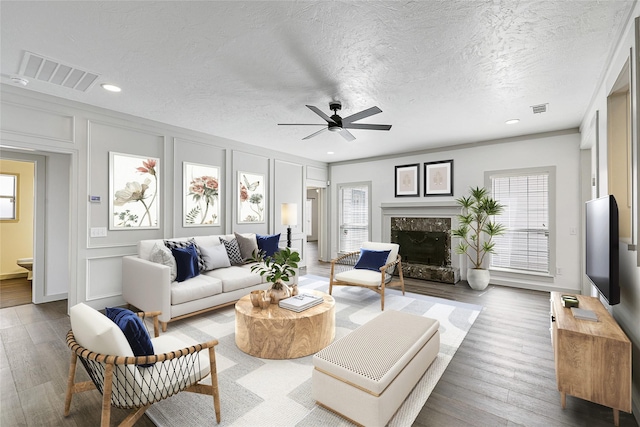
x=52 y=71
x=540 y=108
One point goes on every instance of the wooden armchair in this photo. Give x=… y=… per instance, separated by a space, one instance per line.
x=345 y=270
x=130 y=382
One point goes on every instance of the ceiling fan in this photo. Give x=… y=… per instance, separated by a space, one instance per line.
x=335 y=123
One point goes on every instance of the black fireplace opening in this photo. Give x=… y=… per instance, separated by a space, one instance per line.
x=423 y=247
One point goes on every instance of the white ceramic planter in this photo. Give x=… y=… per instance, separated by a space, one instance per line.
x=478 y=278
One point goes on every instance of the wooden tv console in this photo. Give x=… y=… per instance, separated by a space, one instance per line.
x=593 y=359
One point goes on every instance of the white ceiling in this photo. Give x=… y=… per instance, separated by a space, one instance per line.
x=443 y=72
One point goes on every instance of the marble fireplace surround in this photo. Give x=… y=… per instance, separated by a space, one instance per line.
x=446 y=274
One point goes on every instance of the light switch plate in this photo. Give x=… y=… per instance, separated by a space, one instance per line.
x=98 y=232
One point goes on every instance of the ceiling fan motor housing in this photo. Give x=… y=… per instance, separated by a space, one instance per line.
x=337 y=126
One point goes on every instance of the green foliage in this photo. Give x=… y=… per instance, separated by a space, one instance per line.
x=277 y=268
x=475 y=227
x=192 y=215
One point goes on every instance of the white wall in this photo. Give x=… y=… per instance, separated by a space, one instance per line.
x=469 y=166
x=76 y=139
x=594 y=123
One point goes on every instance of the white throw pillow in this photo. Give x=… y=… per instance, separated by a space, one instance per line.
x=96 y=332
x=215 y=257
x=162 y=255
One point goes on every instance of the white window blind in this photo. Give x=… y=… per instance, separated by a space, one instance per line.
x=354 y=216
x=525 y=245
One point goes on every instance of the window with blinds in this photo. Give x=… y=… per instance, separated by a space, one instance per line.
x=8 y=197
x=525 y=245
x=354 y=216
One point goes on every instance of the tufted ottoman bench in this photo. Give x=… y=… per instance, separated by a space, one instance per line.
x=366 y=375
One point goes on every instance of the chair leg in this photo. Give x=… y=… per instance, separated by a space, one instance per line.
x=72 y=386
x=106 y=396
x=134 y=416
x=331 y=278
x=214 y=383
x=70 y=383
x=164 y=326
x=382 y=296
x=401 y=276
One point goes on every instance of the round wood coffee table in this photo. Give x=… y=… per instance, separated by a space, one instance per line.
x=278 y=333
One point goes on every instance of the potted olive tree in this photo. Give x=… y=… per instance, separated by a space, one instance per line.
x=476 y=230
x=277 y=269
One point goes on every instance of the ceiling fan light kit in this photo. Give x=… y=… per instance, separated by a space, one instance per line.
x=335 y=123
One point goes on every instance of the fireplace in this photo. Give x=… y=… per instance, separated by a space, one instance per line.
x=425 y=247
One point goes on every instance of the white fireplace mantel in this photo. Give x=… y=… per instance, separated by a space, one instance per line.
x=448 y=209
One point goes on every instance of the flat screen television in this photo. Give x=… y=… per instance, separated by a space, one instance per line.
x=602 y=250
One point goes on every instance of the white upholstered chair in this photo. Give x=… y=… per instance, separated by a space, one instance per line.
x=345 y=270
x=131 y=382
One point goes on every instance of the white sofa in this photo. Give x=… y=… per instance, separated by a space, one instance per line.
x=147 y=285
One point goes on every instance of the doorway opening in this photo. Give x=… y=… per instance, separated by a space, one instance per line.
x=315 y=224
x=17 y=197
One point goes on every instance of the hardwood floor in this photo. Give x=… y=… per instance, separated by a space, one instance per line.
x=15 y=292
x=502 y=374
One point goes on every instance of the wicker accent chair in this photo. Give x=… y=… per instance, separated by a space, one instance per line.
x=343 y=272
x=130 y=382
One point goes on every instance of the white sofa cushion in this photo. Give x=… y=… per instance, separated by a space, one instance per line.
x=210 y=240
x=162 y=255
x=145 y=247
x=215 y=257
x=96 y=332
x=360 y=277
x=195 y=288
x=234 y=278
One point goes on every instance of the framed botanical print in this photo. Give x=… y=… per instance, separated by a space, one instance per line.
x=201 y=190
x=407 y=180
x=134 y=192
x=251 y=197
x=438 y=178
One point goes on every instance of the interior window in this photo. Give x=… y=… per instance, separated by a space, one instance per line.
x=354 y=216
x=8 y=197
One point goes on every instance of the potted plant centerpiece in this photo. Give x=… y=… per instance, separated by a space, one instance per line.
x=476 y=231
x=277 y=269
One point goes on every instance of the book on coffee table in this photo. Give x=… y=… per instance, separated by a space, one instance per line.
x=300 y=302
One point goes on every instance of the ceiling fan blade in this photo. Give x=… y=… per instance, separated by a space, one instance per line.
x=366 y=126
x=347 y=135
x=316 y=133
x=302 y=124
x=361 y=115
x=320 y=113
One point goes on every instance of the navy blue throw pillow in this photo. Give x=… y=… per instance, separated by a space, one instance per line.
x=186 y=262
x=268 y=244
x=371 y=260
x=133 y=328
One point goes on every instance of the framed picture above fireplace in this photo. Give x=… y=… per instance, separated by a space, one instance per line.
x=407 y=180
x=438 y=178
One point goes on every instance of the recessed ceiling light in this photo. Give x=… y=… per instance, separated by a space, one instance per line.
x=512 y=121
x=20 y=81
x=110 y=87
x=330 y=152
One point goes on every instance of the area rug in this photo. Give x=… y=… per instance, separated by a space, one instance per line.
x=277 y=393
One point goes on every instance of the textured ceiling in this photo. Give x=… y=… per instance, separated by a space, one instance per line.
x=443 y=73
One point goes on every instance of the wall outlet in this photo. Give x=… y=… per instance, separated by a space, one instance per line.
x=573 y=231
x=98 y=232
x=559 y=271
